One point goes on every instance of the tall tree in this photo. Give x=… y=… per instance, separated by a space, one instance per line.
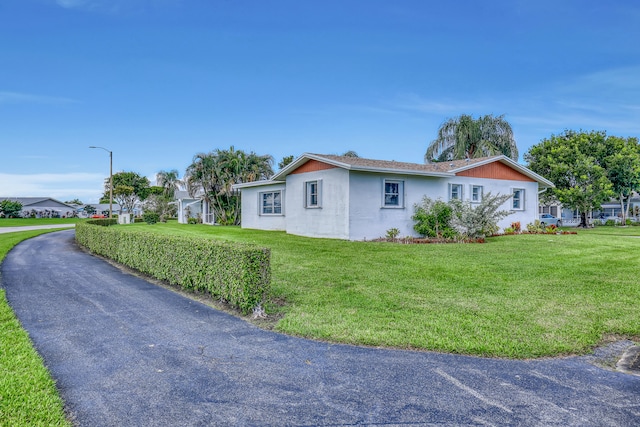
x=623 y=170
x=573 y=161
x=285 y=161
x=213 y=174
x=129 y=188
x=169 y=181
x=465 y=137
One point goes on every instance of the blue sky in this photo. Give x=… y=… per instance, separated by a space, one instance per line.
x=158 y=81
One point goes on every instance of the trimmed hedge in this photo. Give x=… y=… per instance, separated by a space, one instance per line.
x=237 y=273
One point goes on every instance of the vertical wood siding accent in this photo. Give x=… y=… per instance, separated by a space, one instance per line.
x=495 y=170
x=313 y=166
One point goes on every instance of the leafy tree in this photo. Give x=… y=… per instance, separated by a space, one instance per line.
x=10 y=209
x=465 y=137
x=623 y=170
x=74 y=202
x=480 y=221
x=89 y=210
x=214 y=174
x=129 y=188
x=285 y=161
x=574 y=162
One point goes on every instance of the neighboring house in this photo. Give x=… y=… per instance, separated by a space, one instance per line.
x=356 y=199
x=193 y=207
x=43 y=207
x=608 y=211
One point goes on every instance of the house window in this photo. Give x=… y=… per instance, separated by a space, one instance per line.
x=271 y=203
x=476 y=193
x=393 y=193
x=312 y=194
x=455 y=191
x=518 y=199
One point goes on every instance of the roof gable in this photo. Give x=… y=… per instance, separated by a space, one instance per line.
x=495 y=170
x=313 y=166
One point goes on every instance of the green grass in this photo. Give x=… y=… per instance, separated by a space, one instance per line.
x=17 y=222
x=515 y=296
x=28 y=396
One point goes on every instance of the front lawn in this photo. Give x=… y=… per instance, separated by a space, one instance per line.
x=514 y=296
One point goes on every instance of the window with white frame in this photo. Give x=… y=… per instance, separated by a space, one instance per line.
x=455 y=191
x=518 y=199
x=271 y=203
x=393 y=196
x=312 y=192
x=476 y=193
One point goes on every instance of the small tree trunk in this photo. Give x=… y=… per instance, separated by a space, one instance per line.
x=583 y=220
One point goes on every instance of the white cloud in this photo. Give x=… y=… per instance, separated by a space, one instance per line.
x=87 y=187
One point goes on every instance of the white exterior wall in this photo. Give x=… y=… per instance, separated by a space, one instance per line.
x=369 y=219
x=331 y=219
x=525 y=216
x=193 y=205
x=251 y=216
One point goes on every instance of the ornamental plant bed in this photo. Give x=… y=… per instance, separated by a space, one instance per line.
x=425 y=240
x=537 y=232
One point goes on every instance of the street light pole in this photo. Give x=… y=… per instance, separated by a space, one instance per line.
x=110 y=179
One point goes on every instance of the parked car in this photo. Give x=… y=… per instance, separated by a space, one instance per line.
x=547 y=219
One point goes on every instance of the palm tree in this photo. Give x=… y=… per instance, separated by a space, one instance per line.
x=215 y=174
x=465 y=137
x=169 y=182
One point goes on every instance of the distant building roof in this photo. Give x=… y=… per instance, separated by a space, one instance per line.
x=39 y=202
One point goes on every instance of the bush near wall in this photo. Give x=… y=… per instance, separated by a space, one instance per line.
x=236 y=273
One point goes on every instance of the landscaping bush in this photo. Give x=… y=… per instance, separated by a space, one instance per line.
x=481 y=220
x=236 y=273
x=151 y=217
x=433 y=219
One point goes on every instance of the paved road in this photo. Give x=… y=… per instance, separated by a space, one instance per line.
x=125 y=352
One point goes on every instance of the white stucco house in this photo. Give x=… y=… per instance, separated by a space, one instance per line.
x=43 y=207
x=193 y=207
x=356 y=199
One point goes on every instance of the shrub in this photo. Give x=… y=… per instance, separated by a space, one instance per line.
x=151 y=217
x=535 y=227
x=392 y=234
x=433 y=218
x=610 y=222
x=236 y=273
x=516 y=227
x=480 y=221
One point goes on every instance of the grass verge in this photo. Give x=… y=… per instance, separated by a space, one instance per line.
x=18 y=222
x=520 y=296
x=28 y=396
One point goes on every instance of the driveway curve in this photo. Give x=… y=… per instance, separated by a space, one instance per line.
x=125 y=352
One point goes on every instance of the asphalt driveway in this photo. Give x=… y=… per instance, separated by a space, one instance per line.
x=125 y=352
